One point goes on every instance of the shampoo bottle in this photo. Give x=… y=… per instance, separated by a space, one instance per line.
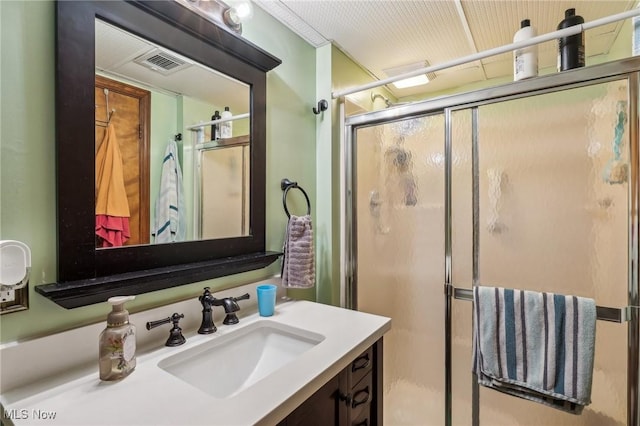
x=117 y=357
x=571 y=48
x=215 y=128
x=525 y=60
x=226 y=128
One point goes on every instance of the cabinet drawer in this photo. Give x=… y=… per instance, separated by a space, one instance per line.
x=361 y=366
x=364 y=419
x=361 y=397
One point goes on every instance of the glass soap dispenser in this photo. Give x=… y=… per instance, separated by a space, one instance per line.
x=117 y=342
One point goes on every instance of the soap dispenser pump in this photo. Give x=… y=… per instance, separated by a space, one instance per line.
x=117 y=342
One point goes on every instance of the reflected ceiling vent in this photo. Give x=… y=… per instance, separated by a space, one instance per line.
x=160 y=61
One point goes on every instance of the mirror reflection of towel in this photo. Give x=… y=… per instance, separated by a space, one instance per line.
x=170 y=216
x=298 y=265
x=112 y=205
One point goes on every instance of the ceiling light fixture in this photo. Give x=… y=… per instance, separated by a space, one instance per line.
x=228 y=15
x=417 y=80
x=235 y=15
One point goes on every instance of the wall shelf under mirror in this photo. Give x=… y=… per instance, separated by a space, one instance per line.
x=218 y=60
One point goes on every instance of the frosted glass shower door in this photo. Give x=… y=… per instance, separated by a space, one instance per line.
x=399 y=210
x=553 y=216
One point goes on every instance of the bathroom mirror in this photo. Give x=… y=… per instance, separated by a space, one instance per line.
x=182 y=93
x=89 y=275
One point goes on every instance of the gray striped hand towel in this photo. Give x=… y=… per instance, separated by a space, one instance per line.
x=536 y=346
x=298 y=264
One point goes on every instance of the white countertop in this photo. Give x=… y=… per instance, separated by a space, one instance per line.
x=152 y=396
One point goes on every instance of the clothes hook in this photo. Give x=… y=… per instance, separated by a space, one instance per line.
x=106 y=98
x=323 y=105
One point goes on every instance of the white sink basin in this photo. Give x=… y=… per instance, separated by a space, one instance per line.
x=229 y=364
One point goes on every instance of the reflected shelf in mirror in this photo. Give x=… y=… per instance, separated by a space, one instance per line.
x=221 y=143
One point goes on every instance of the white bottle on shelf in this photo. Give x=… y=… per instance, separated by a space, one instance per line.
x=525 y=60
x=226 y=127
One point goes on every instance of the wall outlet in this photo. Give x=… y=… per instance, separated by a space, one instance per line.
x=12 y=300
x=7 y=294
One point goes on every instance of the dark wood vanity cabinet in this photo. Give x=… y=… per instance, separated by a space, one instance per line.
x=363 y=397
x=353 y=397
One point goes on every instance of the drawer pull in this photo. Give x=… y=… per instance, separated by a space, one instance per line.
x=361 y=397
x=360 y=363
x=365 y=422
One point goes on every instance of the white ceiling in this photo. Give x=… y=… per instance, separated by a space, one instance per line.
x=382 y=34
x=116 y=51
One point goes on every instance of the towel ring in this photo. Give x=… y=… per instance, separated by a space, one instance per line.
x=286 y=185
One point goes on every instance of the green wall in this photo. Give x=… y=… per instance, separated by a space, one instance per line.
x=327 y=221
x=27 y=156
x=290 y=124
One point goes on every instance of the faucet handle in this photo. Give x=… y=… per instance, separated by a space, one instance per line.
x=243 y=297
x=232 y=307
x=175 y=334
x=206 y=297
x=154 y=324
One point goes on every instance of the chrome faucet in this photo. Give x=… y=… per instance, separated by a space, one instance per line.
x=230 y=305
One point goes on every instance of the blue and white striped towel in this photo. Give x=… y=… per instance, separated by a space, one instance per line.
x=537 y=346
x=170 y=216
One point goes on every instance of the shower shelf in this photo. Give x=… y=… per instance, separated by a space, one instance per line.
x=604 y=313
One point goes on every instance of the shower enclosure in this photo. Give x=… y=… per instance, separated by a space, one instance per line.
x=221 y=196
x=531 y=185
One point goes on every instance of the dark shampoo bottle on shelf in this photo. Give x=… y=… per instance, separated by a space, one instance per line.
x=571 y=48
x=215 y=128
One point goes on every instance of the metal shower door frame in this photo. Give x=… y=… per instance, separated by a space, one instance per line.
x=628 y=69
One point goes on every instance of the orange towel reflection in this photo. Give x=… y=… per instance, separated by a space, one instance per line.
x=112 y=206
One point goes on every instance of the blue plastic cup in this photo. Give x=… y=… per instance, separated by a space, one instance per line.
x=266 y=299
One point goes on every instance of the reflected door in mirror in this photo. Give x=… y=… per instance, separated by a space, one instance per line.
x=126 y=107
x=224 y=209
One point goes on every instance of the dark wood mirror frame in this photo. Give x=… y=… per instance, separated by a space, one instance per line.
x=87 y=275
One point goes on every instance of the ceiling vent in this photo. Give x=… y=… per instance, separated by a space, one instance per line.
x=162 y=62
